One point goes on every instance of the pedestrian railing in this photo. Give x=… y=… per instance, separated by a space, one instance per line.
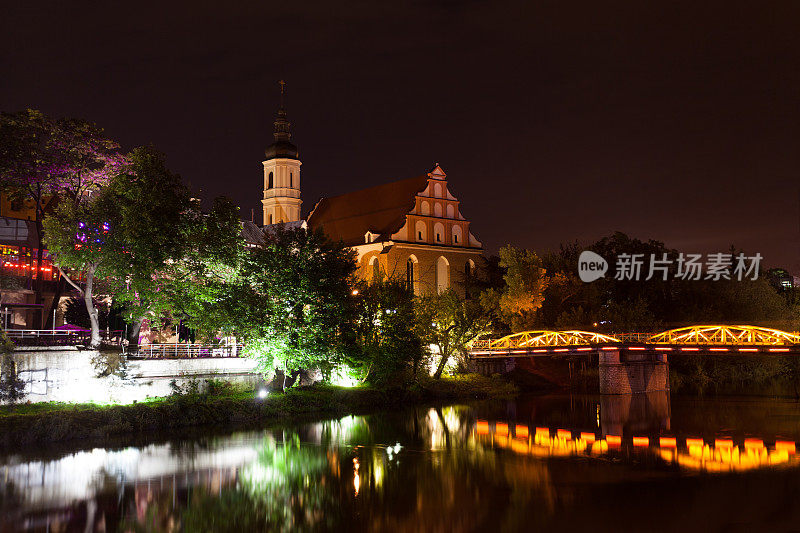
x=59 y=337
x=186 y=351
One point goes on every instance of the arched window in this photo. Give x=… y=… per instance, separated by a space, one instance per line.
x=425 y=208
x=450 y=211
x=469 y=268
x=270 y=219
x=442 y=274
x=437 y=209
x=291 y=180
x=438 y=232
x=437 y=191
x=421 y=231
x=269 y=186
x=456 y=234
x=376 y=270
x=410 y=274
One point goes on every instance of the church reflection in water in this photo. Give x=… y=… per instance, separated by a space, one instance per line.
x=508 y=465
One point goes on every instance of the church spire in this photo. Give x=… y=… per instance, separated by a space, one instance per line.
x=282 y=125
x=282 y=146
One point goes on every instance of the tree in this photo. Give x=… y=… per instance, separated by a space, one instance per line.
x=173 y=256
x=523 y=292
x=450 y=323
x=47 y=161
x=383 y=341
x=12 y=389
x=142 y=239
x=290 y=300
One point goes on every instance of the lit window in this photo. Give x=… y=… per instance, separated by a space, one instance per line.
x=269 y=185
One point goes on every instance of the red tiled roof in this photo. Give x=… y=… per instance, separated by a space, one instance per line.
x=380 y=209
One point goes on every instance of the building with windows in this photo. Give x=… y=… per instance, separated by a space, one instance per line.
x=411 y=230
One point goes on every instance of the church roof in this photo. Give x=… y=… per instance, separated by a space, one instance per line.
x=380 y=210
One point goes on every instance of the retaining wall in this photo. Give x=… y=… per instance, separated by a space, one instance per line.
x=68 y=375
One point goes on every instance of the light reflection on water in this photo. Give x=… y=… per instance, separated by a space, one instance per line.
x=534 y=462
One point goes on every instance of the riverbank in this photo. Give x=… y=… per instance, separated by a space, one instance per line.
x=47 y=423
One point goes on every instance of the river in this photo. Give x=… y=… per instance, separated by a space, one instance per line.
x=599 y=463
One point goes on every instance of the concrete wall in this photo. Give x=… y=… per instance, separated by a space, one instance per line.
x=68 y=375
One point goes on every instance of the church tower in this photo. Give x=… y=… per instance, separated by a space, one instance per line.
x=281 y=174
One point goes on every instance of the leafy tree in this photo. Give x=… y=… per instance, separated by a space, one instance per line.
x=47 y=161
x=12 y=389
x=79 y=236
x=173 y=257
x=450 y=323
x=290 y=300
x=383 y=342
x=523 y=292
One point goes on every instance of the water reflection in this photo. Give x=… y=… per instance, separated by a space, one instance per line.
x=495 y=465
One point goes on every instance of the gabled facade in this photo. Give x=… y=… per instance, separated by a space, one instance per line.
x=412 y=230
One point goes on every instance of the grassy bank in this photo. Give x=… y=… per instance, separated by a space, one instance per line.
x=40 y=424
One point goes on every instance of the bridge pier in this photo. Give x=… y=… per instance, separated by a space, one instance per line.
x=625 y=371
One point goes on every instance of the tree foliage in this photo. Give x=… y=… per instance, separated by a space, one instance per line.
x=290 y=300
x=522 y=293
x=450 y=323
x=383 y=345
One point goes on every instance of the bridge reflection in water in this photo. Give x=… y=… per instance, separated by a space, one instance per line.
x=638 y=426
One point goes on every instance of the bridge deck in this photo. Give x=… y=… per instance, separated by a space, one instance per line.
x=660 y=348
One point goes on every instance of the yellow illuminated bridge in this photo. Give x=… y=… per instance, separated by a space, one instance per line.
x=700 y=338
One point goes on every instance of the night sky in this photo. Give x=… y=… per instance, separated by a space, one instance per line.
x=555 y=121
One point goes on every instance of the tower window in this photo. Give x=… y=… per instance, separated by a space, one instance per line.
x=419 y=235
x=291 y=180
x=438 y=237
x=455 y=238
x=270 y=219
x=269 y=185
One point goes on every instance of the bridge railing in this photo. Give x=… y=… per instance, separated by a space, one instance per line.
x=187 y=351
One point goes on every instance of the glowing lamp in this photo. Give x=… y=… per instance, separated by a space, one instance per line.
x=614 y=440
x=501 y=429
x=641 y=441
x=521 y=432
x=785 y=446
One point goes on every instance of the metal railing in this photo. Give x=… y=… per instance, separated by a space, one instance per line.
x=186 y=351
x=59 y=337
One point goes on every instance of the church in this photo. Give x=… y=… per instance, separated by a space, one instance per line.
x=410 y=230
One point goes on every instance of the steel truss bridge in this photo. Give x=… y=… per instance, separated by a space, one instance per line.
x=711 y=338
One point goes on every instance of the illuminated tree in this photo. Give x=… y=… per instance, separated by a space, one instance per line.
x=47 y=161
x=523 y=292
x=173 y=258
x=290 y=300
x=450 y=323
x=384 y=343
